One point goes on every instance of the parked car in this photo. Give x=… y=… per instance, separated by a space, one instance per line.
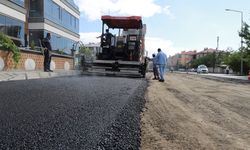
x=202 y=69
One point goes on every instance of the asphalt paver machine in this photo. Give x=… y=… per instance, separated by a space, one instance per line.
x=122 y=45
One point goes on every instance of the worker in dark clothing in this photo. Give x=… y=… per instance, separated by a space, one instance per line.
x=107 y=38
x=107 y=44
x=47 y=52
x=155 y=68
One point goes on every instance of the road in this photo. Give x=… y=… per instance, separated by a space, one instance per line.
x=82 y=112
x=193 y=112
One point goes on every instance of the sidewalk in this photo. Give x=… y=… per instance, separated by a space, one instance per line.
x=225 y=76
x=26 y=75
x=229 y=76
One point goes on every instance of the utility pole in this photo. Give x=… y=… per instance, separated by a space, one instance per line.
x=218 y=42
x=241 y=41
x=215 y=52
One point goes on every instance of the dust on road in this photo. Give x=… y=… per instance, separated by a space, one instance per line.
x=190 y=112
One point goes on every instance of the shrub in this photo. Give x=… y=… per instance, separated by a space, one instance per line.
x=7 y=43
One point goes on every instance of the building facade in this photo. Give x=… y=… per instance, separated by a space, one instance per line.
x=27 y=21
x=59 y=17
x=12 y=20
x=181 y=60
x=186 y=57
x=205 y=52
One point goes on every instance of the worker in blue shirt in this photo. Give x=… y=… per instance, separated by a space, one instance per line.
x=155 y=68
x=161 y=62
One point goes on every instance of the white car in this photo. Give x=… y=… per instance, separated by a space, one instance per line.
x=202 y=69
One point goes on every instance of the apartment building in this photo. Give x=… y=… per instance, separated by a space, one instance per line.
x=182 y=60
x=205 y=52
x=186 y=57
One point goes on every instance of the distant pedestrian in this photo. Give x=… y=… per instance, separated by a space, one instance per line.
x=227 y=70
x=161 y=61
x=155 y=68
x=47 y=52
x=172 y=69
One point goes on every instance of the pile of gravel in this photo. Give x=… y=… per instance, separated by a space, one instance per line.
x=125 y=132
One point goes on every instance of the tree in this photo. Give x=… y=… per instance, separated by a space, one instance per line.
x=85 y=50
x=233 y=59
x=7 y=43
x=245 y=34
x=207 y=60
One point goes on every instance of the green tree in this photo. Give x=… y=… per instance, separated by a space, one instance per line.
x=210 y=60
x=207 y=60
x=32 y=45
x=85 y=50
x=233 y=60
x=7 y=43
x=245 y=34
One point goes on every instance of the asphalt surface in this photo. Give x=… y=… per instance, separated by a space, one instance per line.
x=71 y=113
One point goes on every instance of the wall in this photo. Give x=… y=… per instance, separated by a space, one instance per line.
x=33 y=60
x=219 y=70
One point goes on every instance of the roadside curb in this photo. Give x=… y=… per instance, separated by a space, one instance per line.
x=27 y=75
x=226 y=79
x=219 y=78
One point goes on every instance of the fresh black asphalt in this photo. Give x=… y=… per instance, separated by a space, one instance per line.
x=82 y=112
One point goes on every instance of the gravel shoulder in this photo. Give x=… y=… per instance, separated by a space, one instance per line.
x=192 y=112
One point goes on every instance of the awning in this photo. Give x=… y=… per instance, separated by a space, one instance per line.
x=131 y=22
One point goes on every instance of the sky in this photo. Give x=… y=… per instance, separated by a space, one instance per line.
x=172 y=25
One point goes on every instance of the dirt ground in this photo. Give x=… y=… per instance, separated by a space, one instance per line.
x=190 y=112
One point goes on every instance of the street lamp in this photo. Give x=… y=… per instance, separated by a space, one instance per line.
x=241 y=42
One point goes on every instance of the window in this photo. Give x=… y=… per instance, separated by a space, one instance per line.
x=56 y=11
x=71 y=20
x=36 y=8
x=18 y=2
x=75 y=22
x=66 y=18
x=77 y=25
x=59 y=43
x=2 y=24
x=12 y=28
x=35 y=35
x=60 y=16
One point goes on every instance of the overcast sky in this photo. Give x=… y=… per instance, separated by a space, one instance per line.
x=173 y=25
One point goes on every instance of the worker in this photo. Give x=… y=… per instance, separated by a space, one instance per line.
x=161 y=62
x=227 y=70
x=47 y=52
x=108 y=38
x=155 y=68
